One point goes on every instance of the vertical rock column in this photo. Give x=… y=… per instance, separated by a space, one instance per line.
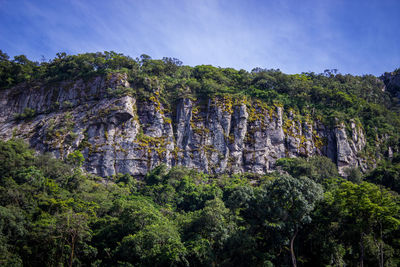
x=191 y=135
x=264 y=138
x=237 y=136
x=348 y=148
x=219 y=125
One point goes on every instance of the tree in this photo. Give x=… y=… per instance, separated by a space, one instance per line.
x=318 y=168
x=207 y=232
x=386 y=174
x=365 y=210
x=288 y=203
x=13 y=232
x=75 y=158
x=73 y=228
x=157 y=244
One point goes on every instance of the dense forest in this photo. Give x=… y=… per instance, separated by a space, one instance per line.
x=52 y=213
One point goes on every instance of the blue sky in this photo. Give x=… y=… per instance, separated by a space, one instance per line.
x=353 y=36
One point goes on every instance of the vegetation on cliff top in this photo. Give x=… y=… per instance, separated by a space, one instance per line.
x=328 y=97
x=52 y=214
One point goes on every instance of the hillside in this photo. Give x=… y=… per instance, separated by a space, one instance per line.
x=107 y=160
x=129 y=116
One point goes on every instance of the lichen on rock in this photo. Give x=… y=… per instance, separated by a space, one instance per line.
x=118 y=133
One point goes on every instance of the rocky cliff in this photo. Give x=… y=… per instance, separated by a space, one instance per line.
x=118 y=133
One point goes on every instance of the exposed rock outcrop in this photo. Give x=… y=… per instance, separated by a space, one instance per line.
x=121 y=134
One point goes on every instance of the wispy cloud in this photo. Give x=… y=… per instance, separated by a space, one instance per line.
x=294 y=36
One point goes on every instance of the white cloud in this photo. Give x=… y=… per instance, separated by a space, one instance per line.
x=294 y=36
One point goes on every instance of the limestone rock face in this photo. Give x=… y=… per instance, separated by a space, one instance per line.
x=120 y=134
x=238 y=132
x=347 y=148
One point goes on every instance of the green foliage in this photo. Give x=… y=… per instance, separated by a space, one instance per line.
x=318 y=168
x=14 y=156
x=75 y=158
x=52 y=214
x=28 y=113
x=365 y=211
x=154 y=245
x=387 y=174
x=181 y=188
x=354 y=175
x=62 y=67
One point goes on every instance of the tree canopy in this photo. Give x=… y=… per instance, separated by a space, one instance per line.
x=53 y=214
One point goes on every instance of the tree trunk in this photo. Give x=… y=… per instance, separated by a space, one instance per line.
x=72 y=251
x=362 y=250
x=381 y=263
x=381 y=243
x=379 y=247
x=294 y=263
